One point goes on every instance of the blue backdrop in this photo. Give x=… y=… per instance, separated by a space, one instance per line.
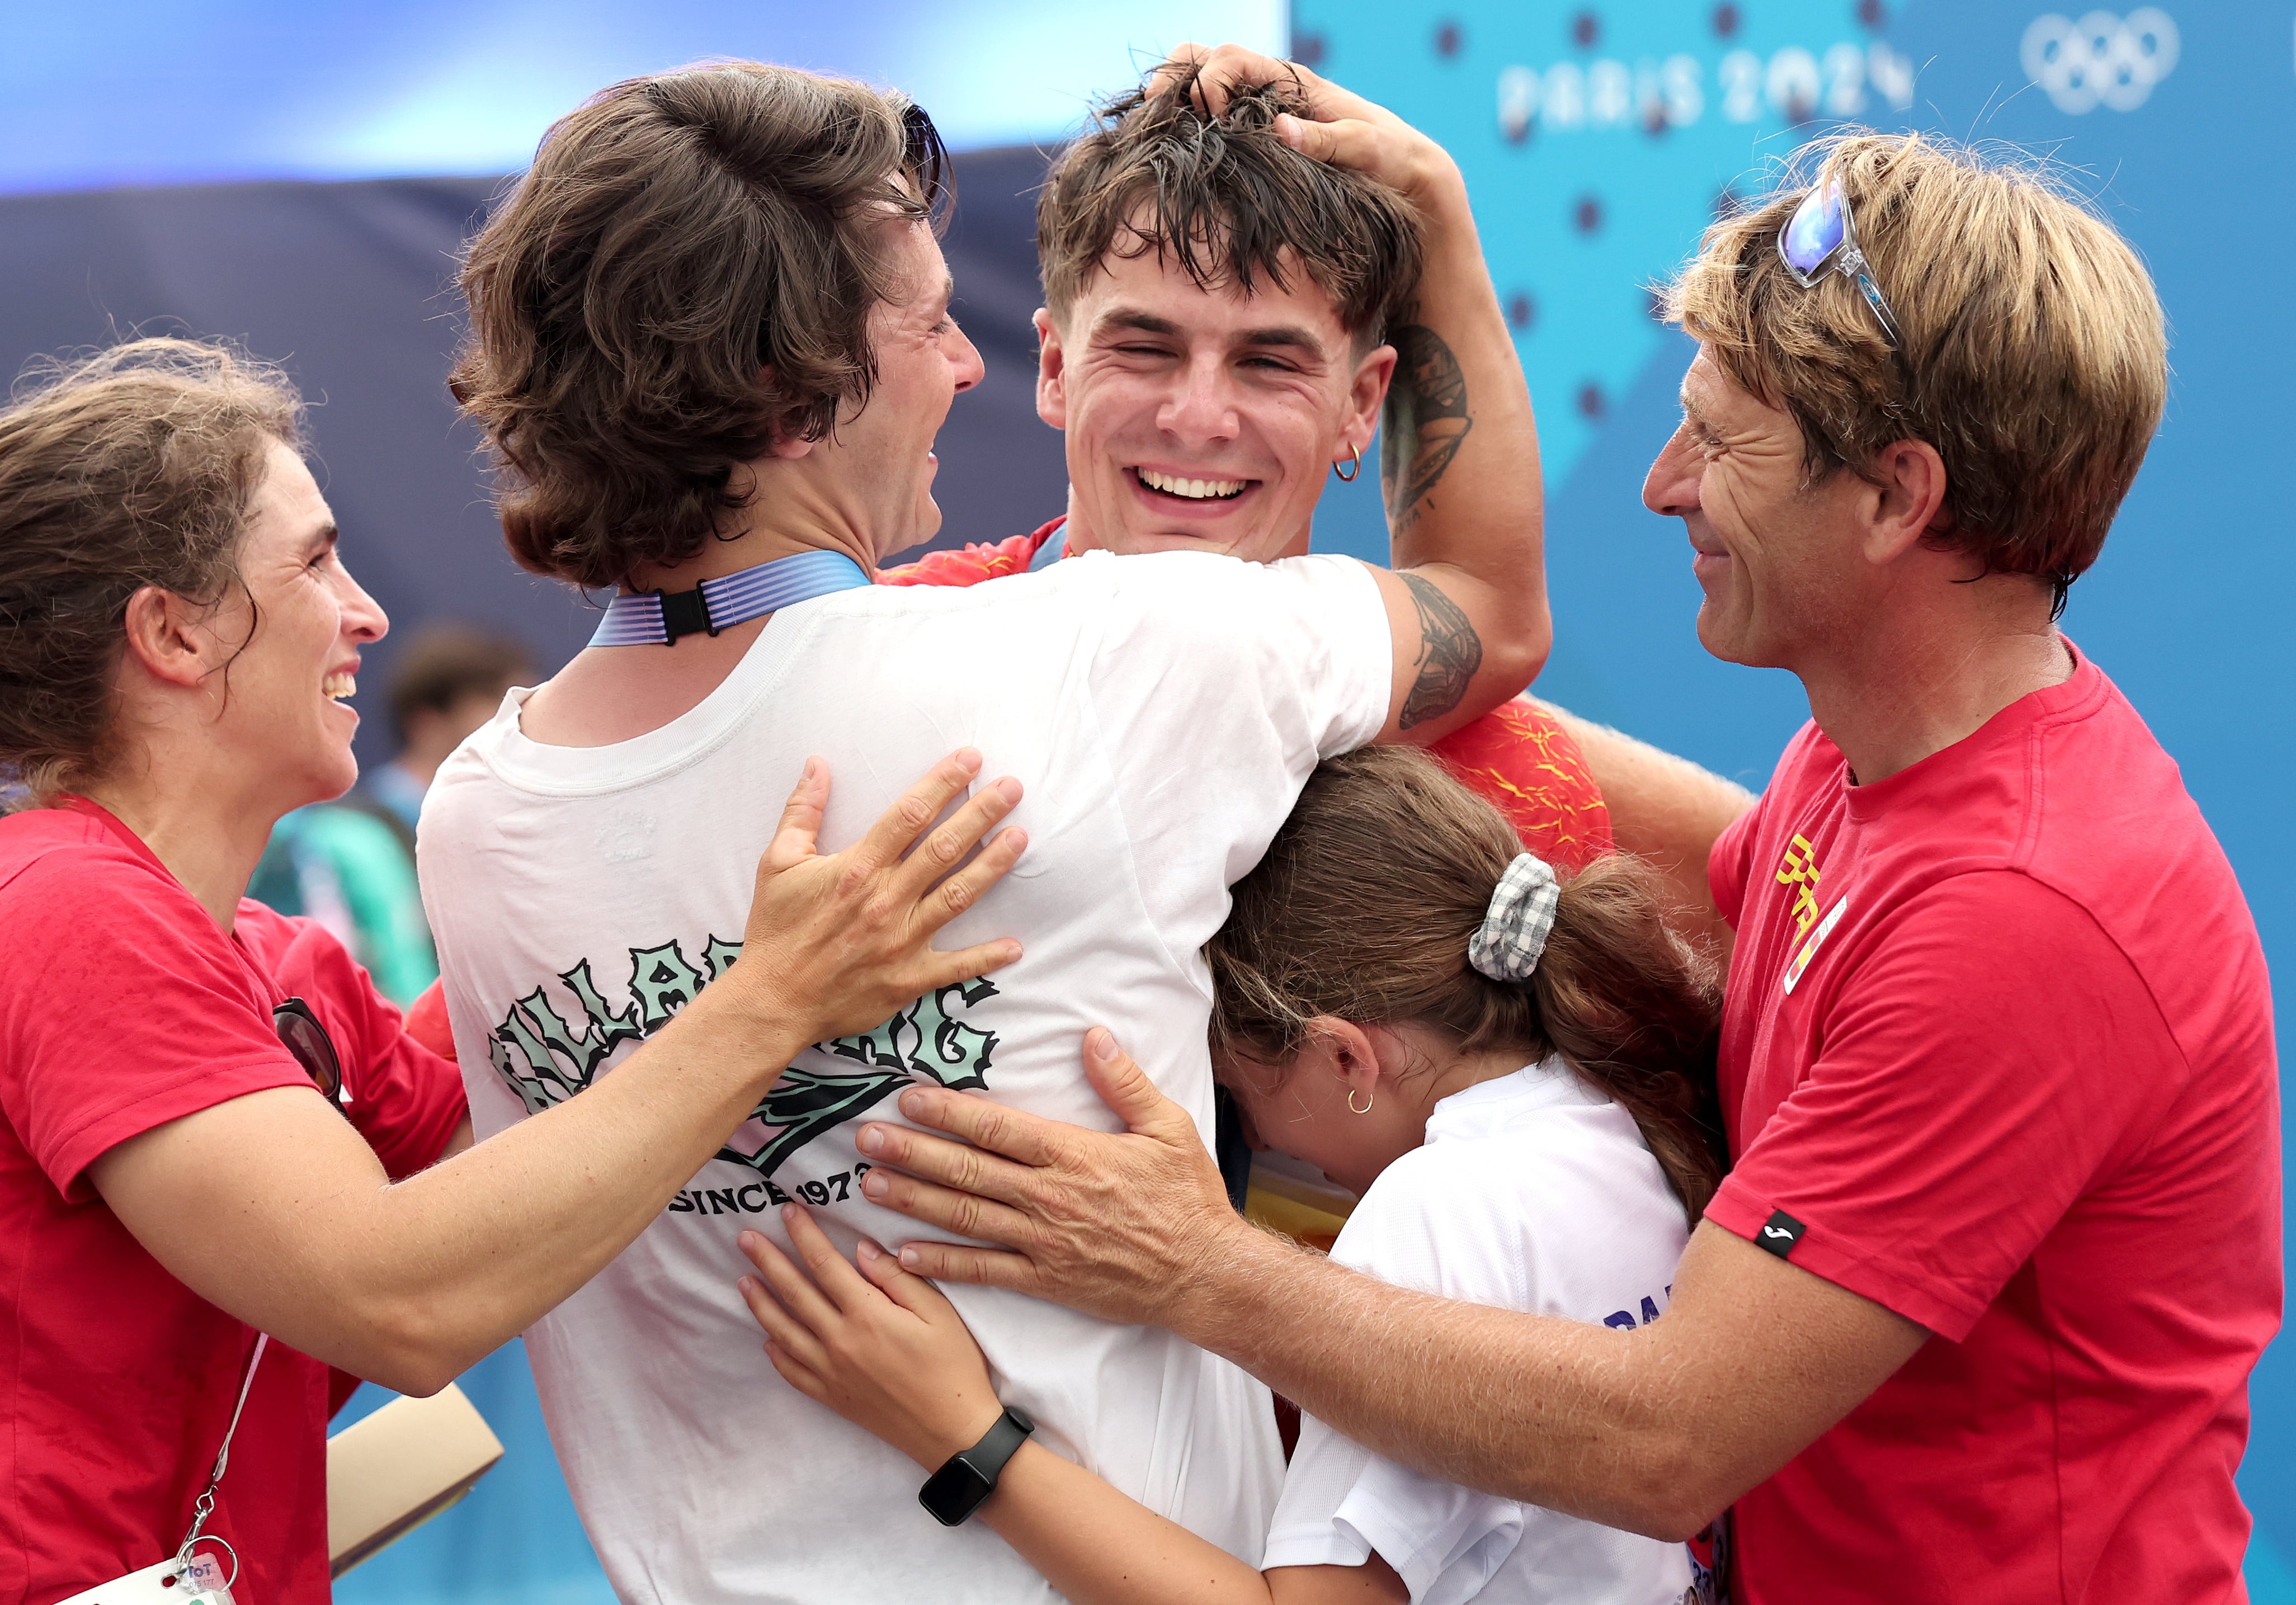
x=1598 y=139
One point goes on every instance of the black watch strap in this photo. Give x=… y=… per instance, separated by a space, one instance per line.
x=965 y=1484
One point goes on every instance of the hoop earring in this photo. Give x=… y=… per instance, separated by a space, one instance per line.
x=1368 y=1103
x=1349 y=476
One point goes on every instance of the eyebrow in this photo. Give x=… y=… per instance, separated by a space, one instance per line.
x=1692 y=410
x=325 y=536
x=1289 y=335
x=1127 y=318
x=1283 y=334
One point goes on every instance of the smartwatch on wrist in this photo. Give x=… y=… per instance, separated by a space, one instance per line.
x=962 y=1485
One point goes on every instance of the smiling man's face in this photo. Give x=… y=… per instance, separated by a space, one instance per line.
x=1202 y=420
x=1775 y=554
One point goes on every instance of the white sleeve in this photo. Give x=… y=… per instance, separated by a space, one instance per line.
x=1417 y=1227
x=1220 y=685
x=1340 y=1502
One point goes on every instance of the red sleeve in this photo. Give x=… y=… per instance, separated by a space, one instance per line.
x=122 y=1007
x=404 y=1100
x=1522 y=758
x=427 y=1022
x=972 y=564
x=1949 y=1123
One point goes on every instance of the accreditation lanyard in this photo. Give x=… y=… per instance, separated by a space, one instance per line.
x=659 y=617
x=184 y=1577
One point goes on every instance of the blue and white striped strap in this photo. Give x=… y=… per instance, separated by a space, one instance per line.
x=656 y=619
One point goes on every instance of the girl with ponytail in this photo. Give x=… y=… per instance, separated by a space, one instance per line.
x=1397 y=943
x=1515 y=1071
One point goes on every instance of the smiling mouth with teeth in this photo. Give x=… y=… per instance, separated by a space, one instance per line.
x=1193 y=490
x=338 y=686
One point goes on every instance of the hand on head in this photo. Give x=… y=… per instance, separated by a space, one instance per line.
x=1112 y=1223
x=1340 y=126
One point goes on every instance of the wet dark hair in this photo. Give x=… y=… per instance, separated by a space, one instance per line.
x=688 y=267
x=1226 y=199
x=1362 y=909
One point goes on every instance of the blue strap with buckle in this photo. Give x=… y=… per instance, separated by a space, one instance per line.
x=659 y=617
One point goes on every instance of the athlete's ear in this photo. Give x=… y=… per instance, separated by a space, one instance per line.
x=1052 y=372
x=1375 y=371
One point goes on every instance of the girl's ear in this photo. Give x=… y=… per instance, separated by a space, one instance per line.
x=1347 y=1052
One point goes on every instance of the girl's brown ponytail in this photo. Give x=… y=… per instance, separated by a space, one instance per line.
x=1623 y=999
x=1362 y=911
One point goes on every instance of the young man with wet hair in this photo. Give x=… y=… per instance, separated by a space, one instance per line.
x=1973 y=1315
x=1225 y=320
x=712 y=344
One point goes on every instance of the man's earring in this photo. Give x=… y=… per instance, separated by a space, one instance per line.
x=1368 y=1101
x=1347 y=475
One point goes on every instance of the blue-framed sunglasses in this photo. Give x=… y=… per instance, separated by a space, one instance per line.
x=1818 y=238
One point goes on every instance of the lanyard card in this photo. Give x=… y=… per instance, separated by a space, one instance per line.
x=199 y=1580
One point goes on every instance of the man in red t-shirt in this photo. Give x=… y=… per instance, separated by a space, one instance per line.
x=1973 y=1315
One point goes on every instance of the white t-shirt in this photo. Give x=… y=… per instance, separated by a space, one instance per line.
x=1533 y=1192
x=1162 y=714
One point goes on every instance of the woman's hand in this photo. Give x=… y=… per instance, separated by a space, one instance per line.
x=841 y=942
x=1340 y=126
x=879 y=1345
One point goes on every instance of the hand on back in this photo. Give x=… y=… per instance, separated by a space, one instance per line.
x=1118 y=1226
x=884 y=1349
x=840 y=942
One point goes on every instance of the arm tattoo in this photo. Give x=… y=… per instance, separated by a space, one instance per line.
x=1449 y=653
x=1426 y=420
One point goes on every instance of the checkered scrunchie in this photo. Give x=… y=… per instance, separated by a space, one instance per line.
x=1514 y=930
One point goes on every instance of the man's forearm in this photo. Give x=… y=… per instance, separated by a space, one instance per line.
x=1459 y=454
x=1552 y=1413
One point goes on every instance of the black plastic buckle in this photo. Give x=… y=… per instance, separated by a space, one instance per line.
x=684 y=614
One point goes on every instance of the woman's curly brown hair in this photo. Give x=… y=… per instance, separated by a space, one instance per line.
x=132 y=467
x=688 y=267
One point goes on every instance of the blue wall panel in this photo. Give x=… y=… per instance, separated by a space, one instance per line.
x=2183 y=137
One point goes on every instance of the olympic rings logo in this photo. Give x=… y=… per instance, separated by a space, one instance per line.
x=2101 y=58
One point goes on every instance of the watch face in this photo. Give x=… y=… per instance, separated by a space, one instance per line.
x=955 y=1491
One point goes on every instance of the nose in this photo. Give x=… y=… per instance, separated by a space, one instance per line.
x=966 y=359
x=363 y=618
x=1200 y=409
x=1670 y=488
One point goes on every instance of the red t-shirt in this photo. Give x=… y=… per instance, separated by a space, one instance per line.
x=122 y=1007
x=1998 y=1038
x=1518 y=755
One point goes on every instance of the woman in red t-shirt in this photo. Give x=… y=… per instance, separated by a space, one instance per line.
x=177 y=639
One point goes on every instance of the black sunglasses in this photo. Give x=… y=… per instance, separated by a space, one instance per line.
x=302 y=1034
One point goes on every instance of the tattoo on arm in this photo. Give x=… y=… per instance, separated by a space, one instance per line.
x=1449 y=653
x=1426 y=420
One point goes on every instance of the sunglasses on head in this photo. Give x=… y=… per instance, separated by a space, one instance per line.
x=1818 y=239
x=301 y=1035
